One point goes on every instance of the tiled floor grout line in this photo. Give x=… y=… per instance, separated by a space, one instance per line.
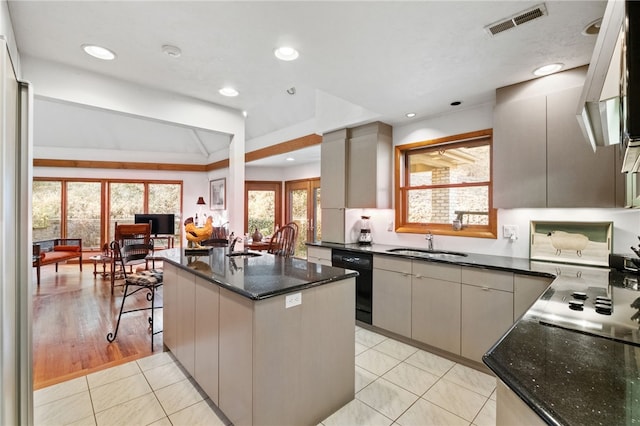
x=399 y=361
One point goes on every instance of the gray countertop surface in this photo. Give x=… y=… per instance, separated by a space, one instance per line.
x=258 y=277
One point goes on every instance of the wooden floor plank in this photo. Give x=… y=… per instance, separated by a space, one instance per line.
x=72 y=314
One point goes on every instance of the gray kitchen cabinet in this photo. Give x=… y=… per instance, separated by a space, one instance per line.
x=206 y=336
x=576 y=176
x=540 y=157
x=355 y=172
x=392 y=294
x=169 y=306
x=185 y=316
x=319 y=255
x=435 y=305
x=526 y=290
x=519 y=153
x=369 y=166
x=487 y=309
x=512 y=410
x=333 y=169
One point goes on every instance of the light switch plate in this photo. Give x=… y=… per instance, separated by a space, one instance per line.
x=292 y=300
x=510 y=231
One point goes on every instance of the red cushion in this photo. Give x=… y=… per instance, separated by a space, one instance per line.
x=66 y=248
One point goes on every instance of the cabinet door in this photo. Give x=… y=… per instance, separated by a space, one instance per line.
x=333 y=169
x=207 y=298
x=435 y=313
x=319 y=255
x=392 y=301
x=169 y=302
x=576 y=176
x=333 y=229
x=520 y=153
x=186 y=299
x=526 y=290
x=486 y=315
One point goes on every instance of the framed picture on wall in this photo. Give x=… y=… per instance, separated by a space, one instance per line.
x=586 y=243
x=218 y=194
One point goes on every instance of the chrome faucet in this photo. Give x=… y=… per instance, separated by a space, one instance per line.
x=429 y=238
x=233 y=243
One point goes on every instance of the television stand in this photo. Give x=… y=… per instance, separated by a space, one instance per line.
x=169 y=238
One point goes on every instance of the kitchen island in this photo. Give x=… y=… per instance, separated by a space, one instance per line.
x=270 y=340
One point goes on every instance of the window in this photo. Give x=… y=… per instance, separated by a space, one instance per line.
x=263 y=206
x=88 y=209
x=443 y=181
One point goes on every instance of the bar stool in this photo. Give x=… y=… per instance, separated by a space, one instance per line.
x=134 y=282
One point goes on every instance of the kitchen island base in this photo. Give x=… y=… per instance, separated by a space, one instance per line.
x=278 y=362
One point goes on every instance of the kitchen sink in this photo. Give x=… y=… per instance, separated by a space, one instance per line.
x=243 y=254
x=426 y=253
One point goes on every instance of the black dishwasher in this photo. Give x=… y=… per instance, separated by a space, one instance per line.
x=363 y=264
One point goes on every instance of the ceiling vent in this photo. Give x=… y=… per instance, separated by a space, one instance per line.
x=517 y=19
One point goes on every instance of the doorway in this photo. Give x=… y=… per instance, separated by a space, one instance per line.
x=302 y=206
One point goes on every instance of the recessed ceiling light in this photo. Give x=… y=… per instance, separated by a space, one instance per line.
x=455 y=103
x=410 y=114
x=173 y=51
x=228 y=91
x=548 y=69
x=99 y=52
x=286 y=53
x=244 y=113
x=290 y=159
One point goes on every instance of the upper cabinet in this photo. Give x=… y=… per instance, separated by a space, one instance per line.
x=540 y=157
x=333 y=169
x=356 y=167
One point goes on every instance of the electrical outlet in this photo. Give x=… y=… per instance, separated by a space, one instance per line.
x=292 y=300
x=510 y=231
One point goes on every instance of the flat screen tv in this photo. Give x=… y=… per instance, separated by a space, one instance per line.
x=161 y=224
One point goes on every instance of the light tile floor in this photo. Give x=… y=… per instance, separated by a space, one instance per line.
x=396 y=384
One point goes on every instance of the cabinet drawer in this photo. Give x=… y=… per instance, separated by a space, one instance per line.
x=392 y=264
x=437 y=270
x=498 y=280
x=319 y=253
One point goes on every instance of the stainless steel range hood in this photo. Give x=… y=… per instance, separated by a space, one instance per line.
x=599 y=110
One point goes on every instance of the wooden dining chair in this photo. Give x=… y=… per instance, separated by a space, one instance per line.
x=127 y=234
x=283 y=242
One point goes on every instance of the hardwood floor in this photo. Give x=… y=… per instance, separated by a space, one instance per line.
x=72 y=314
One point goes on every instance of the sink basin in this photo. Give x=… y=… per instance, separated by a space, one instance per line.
x=426 y=253
x=243 y=254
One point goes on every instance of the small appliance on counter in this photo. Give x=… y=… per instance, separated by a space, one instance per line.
x=364 y=238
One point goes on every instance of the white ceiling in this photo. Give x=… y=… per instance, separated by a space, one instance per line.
x=385 y=57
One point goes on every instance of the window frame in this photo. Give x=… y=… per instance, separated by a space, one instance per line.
x=106 y=202
x=401 y=190
x=255 y=185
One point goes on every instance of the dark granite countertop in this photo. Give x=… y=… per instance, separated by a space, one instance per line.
x=484 y=261
x=570 y=377
x=258 y=277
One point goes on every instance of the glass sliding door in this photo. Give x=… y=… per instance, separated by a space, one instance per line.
x=303 y=207
x=83 y=209
x=125 y=200
x=47 y=210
